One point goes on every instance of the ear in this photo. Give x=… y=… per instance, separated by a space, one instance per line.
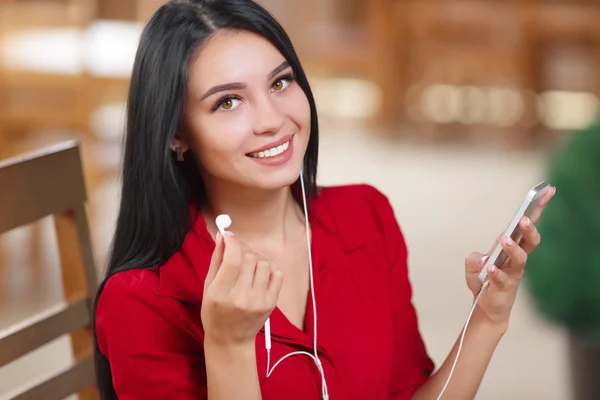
x=178 y=141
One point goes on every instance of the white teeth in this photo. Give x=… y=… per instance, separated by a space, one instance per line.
x=272 y=152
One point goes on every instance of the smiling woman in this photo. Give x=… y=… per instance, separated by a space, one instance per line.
x=221 y=120
x=257 y=105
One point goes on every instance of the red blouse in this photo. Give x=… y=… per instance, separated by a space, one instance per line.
x=149 y=327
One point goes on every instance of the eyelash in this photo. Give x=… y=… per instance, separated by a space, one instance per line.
x=223 y=100
x=288 y=77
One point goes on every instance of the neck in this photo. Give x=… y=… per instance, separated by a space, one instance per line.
x=259 y=217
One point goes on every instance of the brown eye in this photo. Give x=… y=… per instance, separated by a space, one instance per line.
x=227 y=104
x=278 y=85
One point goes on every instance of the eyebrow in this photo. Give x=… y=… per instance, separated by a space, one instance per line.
x=239 y=85
x=280 y=68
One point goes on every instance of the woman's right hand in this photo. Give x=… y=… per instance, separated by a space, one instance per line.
x=240 y=291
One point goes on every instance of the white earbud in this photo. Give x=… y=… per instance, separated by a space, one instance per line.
x=315 y=354
x=223 y=222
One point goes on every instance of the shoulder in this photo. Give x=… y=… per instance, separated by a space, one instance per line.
x=129 y=306
x=356 y=191
x=127 y=294
x=151 y=352
x=359 y=200
x=359 y=213
x=130 y=285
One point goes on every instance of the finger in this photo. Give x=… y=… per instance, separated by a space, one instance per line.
x=548 y=196
x=275 y=284
x=215 y=261
x=474 y=262
x=537 y=213
x=518 y=257
x=232 y=260
x=531 y=235
x=498 y=279
x=262 y=275
x=247 y=270
x=482 y=262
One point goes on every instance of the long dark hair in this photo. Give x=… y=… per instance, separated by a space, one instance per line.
x=154 y=214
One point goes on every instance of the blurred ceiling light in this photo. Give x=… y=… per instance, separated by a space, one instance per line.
x=440 y=103
x=564 y=110
x=506 y=106
x=412 y=102
x=474 y=105
x=346 y=97
x=470 y=104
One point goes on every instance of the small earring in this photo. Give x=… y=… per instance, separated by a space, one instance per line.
x=179 y=154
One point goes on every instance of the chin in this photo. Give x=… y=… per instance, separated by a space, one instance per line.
x=274 y=178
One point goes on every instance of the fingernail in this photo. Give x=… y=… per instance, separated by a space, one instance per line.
x=218 y=238
x=527 y=222
x=493 y=269
x=483 y=260
x=553 y=190
x=228 y=233
x=509 y=242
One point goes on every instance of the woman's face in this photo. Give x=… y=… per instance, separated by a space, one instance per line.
x=248 y=121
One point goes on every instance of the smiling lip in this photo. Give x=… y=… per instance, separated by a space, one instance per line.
x=271 y=145
x=283 y=155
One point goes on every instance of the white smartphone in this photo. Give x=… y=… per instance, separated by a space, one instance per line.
x=498 y=256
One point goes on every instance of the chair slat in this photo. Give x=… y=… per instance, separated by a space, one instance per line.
x=34 y=332
x=58 y=385
x=78 y=269
x=40 y=184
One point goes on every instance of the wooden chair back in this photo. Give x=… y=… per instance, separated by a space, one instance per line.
x=45 y=183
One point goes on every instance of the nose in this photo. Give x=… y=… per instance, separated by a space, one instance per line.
x=268 y=117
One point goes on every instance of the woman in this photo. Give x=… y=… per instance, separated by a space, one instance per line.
x=221 y=119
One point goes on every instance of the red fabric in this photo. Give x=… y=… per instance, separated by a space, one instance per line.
x=149 y=327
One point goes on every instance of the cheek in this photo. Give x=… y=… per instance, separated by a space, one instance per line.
x=218 y=141
x=299 y=110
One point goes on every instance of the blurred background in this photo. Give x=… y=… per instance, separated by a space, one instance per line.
x=453 y=108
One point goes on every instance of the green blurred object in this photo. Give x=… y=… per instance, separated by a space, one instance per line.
x=563 y=273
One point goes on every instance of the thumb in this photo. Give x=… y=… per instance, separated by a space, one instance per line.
x=474 y=262
x=216 y=260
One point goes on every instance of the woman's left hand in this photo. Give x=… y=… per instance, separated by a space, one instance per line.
x=497 y=300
